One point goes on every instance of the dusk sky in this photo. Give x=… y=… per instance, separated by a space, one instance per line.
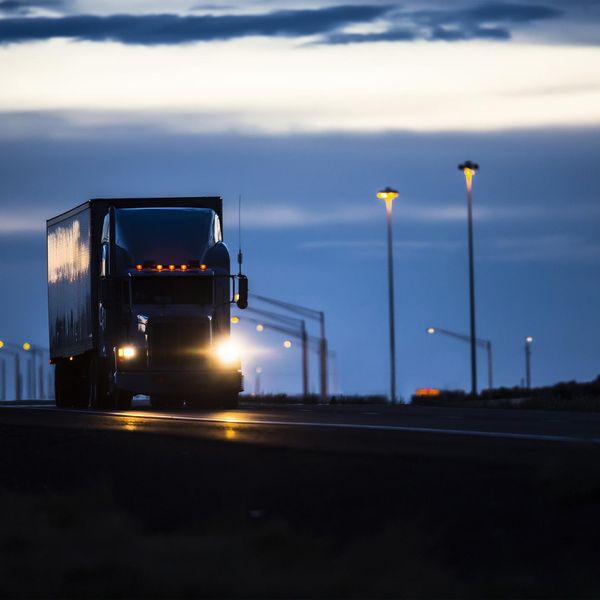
x=307 y=108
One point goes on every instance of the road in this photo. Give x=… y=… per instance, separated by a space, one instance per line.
x=298 y=501
x=288 y=424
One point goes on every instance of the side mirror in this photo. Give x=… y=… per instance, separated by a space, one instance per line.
x=242 y=301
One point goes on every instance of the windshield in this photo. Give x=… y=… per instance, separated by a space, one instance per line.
x=172 y=290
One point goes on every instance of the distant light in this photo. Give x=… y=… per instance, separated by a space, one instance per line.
x=387 y=194
x=139 y=267
x=287 y=344
x=431 y=330
x=236 y=297
x=171 y=267
x=203 y=267
x=260 y=327
x=529 y=339
x=427 y=392
x=159 y=267
x=1 y=344
x=235 y=319
x=183 y=267
x=26 y=346
x=259 y=370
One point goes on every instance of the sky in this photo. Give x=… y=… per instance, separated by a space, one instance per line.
x=307 y=109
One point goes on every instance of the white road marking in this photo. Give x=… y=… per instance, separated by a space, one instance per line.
x=226 y=420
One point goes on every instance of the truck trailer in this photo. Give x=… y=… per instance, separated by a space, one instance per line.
x=139 y=298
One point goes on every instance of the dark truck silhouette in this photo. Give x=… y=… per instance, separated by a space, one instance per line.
x=139 y=295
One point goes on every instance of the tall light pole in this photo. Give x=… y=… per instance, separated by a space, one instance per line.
x=469 y=168
x=485 y=344
x=388 y=195
x=528 y=342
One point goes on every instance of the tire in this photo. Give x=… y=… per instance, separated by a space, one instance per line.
x=98 y=383
x=62 y=385
x=121 y=400
x=165 y=401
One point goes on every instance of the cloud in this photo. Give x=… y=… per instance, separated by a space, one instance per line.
x=489 y=21
x=174 y=29
x=554 y=247
x=27 y=6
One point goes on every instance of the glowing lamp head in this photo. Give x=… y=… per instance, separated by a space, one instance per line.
x=1 y=344
x=235 y=320
x=159 y=267
x=228 y=353
x=431 y=330
x=26 y=346
x=468 y=168
x=171 y=267
x=126 y=352
x=183 y=267
x=388 y=194
x=529 y=339
x=139 y=267
x=287 y=344
x=260 y=327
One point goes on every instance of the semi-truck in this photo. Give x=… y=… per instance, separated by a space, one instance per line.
x=139 y=298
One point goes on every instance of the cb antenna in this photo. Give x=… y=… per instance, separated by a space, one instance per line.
x=240 y=256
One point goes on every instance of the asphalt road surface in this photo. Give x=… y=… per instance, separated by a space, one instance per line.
x=299 y=501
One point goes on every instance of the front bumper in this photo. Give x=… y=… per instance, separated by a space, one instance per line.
x=178 y=382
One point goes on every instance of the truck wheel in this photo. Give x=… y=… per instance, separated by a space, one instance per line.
x=63 y=389
x=80 y=383
x=164 y=401
x=121 y=400
x=98 y=383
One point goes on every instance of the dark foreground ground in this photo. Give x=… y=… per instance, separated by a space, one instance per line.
x=127 y=512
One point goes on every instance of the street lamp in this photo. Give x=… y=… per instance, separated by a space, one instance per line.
x=388 y=195
x=469 y=168
x=528 y=342
x=486 y=344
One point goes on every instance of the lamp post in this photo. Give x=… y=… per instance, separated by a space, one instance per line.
x=528 y=342
x=485 y=344
x=14 y=351
x=469 y=168
x=388 y=195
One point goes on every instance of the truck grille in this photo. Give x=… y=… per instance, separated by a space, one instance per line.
x=178 y=344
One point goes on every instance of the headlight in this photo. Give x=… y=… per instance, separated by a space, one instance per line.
x=126 y=352
x=228 y=353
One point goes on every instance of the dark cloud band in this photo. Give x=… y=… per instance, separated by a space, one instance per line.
x=173 y=29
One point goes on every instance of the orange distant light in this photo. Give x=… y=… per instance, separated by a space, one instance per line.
x=139 y=267
x=203 y=267
x=427 y=392
x=171 y=267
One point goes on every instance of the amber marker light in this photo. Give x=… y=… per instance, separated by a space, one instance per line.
x=139 y=267
x=171 y=267
x=183 y=267
x=159 y=267
x=26 y=346
x=203 y=267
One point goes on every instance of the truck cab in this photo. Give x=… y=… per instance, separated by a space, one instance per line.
x=161 y=293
